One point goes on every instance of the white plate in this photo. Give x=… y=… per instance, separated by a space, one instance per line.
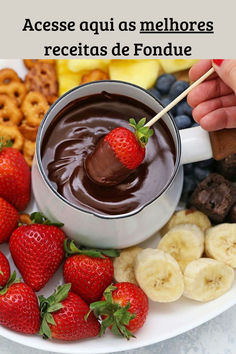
x=164 y=320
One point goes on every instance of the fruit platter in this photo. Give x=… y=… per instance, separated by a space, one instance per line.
x=91 y=261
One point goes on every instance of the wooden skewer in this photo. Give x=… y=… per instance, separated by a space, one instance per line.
x=179 y=98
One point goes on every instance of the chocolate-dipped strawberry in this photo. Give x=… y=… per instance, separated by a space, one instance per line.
x=118 y=154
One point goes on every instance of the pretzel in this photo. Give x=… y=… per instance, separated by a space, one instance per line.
x=42 y=77
x=7 y=76
x=94 y=75
x=29 y=63
x=28 y=151
x=51 y=99
x=34 y=108
x=25 y=219
x=15 y=90
x=28 y=132
x=10 y=114
x=13 y=134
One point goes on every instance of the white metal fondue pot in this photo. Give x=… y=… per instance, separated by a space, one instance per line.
x=117 y=231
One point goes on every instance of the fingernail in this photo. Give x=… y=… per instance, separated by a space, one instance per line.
x=218 y=61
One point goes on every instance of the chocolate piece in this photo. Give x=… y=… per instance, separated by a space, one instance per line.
x=227 y=167
x=103 y=167
x=232 y=214
x=223 y=143
x=73 y=135
x=214 y=196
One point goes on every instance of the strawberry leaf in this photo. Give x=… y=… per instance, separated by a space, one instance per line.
x=50 y=319
x=110 y=253
x=133 y=123
x=112 y=314
x=62 y=292
x=11 y=280
x=108 y=293
x=50 y=305
x=38 y=218
x=71 y=248
x=54 y=307
x=141 y=123
x=45 y=330
x=142 y=132
x=4 y=144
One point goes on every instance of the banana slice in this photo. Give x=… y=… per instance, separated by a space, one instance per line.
x=187 y=216
x=206 y=279
x=183 y=242
x=220 y=243
x=124 y=265
x=159 y=275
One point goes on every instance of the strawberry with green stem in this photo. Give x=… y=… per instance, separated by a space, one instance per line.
x=63 y=316
x=37 y=250
x=123 y=309
x=89 y=271
x=118 y=154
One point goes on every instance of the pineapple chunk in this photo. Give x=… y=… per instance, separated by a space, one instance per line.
x=139 y=72
x=77 y=65
x=66 y=79
x=173 y=65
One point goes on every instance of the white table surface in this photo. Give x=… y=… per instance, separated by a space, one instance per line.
x=217 y=336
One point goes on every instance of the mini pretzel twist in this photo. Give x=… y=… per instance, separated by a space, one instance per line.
x=28 y=151
x=10 y=114
x=7 y=76
x=16 y=90
x=25 y=219
x=42 y=78
x=29 y=132
x=34 y=108
x=13 y=134
x=29 y=63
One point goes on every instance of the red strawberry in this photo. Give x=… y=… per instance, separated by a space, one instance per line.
x=123 y=308
x=8 y=220
x=89 y=272
x=37 y=251
x=19 y=308
x=63 y=316
x=4 y=270
x=14 y=177
x=118 y=154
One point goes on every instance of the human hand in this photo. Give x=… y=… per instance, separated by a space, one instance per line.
x=214 y=100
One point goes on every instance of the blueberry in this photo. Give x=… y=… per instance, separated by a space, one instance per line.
x=183 y=121
x=206 y=163
x=165 y=101
x=177 y=88
x=201 y=173
x=188 y=169
x=164 y=82
x=184 y=108
x=155 y=93
x=189 y=185
x=195 y=124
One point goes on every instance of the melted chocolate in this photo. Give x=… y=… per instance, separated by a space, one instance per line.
x=103 y=167
x=73 y=135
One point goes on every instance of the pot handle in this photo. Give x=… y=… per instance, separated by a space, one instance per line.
x=195 y=145
x=199 y=145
